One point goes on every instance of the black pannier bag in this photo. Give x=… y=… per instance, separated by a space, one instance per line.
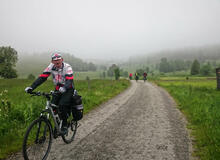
x=77 y=107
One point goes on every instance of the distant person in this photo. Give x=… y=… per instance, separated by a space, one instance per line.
x=130 y=76
x=62 y=74
x=136 y=76
x=145 y=76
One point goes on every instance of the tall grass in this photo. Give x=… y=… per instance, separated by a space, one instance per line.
x=18 y=109
x=200 y=101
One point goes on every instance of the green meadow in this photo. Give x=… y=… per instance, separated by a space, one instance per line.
x=18 y=109
x=199 y=100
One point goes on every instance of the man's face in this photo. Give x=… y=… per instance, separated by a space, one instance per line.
x=58 y=63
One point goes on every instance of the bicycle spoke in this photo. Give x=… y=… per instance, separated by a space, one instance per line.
x=37 y=141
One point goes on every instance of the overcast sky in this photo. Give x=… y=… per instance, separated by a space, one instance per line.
x=108 y=28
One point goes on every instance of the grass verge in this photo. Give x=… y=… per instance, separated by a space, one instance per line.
x=200 y=102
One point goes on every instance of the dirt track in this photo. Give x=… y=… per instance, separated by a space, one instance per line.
x=139 y=124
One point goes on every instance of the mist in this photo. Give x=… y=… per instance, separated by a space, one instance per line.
x=113 y=29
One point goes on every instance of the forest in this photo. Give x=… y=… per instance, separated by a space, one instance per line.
x=177 y=60
x=36 y=63
x=200 y=61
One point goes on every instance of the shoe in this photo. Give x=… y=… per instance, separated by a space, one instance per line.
x=64 y=130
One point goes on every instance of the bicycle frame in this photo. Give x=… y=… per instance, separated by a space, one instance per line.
x=50 y=111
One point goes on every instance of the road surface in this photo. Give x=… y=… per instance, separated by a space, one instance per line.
x=142 y=123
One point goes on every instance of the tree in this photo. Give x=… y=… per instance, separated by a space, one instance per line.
x=117 y=73
x=188 y=63
x=91 y=67
x=104 y=75
x=111 y=70
x=8 y=59
x=147 y=69
x=124 y=73
x=195 y=68
x=140 y=72
x=179 y=65
x=102 y=67
x=206 y=69
x=164 y=65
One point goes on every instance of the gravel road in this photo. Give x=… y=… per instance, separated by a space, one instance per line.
x=142 y=123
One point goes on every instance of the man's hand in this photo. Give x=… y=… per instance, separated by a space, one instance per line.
x=62 y=89
x=28 y=90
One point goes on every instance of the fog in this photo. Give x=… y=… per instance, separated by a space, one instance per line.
x=108 y=29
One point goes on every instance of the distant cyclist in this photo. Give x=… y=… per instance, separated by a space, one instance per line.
x=130 y=76
x=62 y=74
x=145 y=76
x=136 y=76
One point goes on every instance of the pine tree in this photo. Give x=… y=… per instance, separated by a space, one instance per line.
x=195 y=68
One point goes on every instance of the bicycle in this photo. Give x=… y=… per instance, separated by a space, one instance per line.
x=136 y=78
x=38 y=137
x=145 y=78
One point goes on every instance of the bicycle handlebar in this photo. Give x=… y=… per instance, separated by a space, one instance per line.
x=45 y=94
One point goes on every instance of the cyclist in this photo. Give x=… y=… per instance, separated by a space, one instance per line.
x=62 y=74
x=136 y=76
x=130 y=76
x=145 y=76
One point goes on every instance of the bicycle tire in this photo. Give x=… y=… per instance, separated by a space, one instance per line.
x=35 y=139
x=72 y=128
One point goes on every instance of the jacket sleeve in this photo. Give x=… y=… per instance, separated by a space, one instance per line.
x=69 y=78
x=42 y=77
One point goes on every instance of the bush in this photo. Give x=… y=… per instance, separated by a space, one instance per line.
x=31 y=77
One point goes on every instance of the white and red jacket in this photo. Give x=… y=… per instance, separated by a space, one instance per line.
x=62 y=77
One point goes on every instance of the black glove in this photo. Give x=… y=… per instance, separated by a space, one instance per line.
x=28 y=89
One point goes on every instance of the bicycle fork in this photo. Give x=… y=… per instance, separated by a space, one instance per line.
x=37 y=134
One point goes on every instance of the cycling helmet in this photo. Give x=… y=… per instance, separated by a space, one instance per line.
x=56 y=56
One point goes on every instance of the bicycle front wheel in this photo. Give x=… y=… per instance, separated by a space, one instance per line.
x=37 y=140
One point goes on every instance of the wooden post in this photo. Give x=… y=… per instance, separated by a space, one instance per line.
x=218 y=78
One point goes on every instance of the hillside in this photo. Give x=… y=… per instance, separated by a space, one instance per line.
x=36 y=63
x=202 y=54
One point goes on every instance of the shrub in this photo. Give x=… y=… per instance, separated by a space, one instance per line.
x=31 y=77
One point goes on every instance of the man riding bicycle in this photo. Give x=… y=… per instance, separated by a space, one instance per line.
x=136 y=76
x=130 y=76
x=62 y=74
x=145 y=76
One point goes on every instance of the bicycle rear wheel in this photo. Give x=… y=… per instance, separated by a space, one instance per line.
x=72 y=127
x=37 y=140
